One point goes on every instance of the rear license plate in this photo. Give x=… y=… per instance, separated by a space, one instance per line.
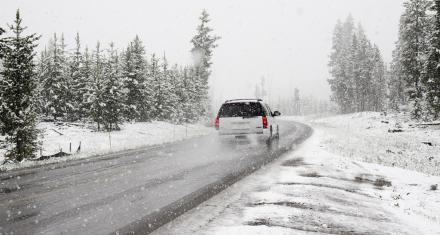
x=240 y=123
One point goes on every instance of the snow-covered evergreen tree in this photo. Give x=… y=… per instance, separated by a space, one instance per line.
x=17 y=89
x=41 y=70
x=2 y=48
x=203 y=45
x=85 y=85
x=175 y=81
x=412 y=46
x=48 y=79
x=378 y=88
x=260 y=89
x=362 y=78
x=189 y=94
x=357 y=69
x=165 y=97
x=56 y=81
x=431 y=78
x=96 y=98
x=112 y=94
x=131 y=111
x=79 y=81
x=155 y=76
x=341 y=69
x=296 y=102
x=2 y=44
x=136 y=84
x=66 y=97
x=180 y=95
x=396 y=83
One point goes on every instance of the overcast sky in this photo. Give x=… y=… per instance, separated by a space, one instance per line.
x=286 y=41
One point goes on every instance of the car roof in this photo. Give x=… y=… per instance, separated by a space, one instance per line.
x=243 y=100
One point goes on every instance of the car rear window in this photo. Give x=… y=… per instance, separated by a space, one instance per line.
x=245 y=109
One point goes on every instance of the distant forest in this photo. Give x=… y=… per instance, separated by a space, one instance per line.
x=104 y=85
x=360 y=81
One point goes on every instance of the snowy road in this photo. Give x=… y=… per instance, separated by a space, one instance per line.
x=132 y=191
x=313 y=191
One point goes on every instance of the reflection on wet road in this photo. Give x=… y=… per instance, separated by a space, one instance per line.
x=130 y=191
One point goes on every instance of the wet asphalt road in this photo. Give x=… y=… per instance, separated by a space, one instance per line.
x=130 y=192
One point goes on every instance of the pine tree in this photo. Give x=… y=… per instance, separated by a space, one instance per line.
x=78 y=82
x=431 y=79
x=136 y=85
x=354 y=73
x=41 y=71
x=176 y=89
x=96 y=98
x=412 y=46
x=363 y=78
x=157 y=98
x=130 y=113
x=167 y=98
x=166 y=104
x=66 y=96
x=2 y=53
x=112 y=95
x=378 y=84
x=203 y=45
x=257 y=92
x=341 y=65
x=85 y=86
x=358 y=72
x=55 y=90
x=177 y=95
x=17 y=88
x=188 y=97
x=2 y=44
x=297 y=104
x=396 y=83
x=48 y=79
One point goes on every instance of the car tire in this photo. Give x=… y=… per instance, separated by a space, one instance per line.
x=270 y=138
x=278 y=132
x=271 y=133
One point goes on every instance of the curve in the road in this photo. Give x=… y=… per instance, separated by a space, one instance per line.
x=133 y=191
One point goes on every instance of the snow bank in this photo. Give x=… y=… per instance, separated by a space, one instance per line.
x=391 y=140
x=68 y=136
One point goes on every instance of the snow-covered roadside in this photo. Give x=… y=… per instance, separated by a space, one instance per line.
x=312 y=190
x=60 y=137
x=392 y=140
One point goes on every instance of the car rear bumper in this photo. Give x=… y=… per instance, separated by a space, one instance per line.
x=244 y=138
x=238 y=132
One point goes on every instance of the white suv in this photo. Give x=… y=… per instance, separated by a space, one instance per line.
x=246 y=117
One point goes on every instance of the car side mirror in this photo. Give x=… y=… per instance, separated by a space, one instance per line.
x=276 y=113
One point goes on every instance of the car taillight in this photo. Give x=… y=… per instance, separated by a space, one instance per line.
x=264 y=122
x=217 y=123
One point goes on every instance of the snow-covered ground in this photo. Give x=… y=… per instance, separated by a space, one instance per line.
x=58 y=137
x=391 y=140
x=323 y=187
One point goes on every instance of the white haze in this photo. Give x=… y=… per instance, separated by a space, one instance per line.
x=285 y=41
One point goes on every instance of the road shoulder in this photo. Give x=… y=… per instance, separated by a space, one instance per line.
x=79 y=141
x=312 y=190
